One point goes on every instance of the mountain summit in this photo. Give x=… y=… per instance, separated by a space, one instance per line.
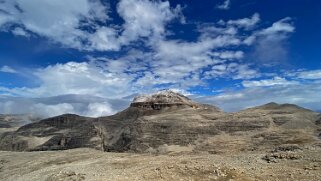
x=162 y=99
x=164 y=96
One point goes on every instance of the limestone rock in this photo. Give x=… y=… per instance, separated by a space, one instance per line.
x=163 y=99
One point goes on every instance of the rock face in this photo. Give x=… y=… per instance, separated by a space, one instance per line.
x=57 y=133
x=168 y=120
x=162 y=100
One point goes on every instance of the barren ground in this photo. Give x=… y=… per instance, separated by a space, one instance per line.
x=89 y=164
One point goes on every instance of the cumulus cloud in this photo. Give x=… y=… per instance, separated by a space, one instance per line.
x=145 y=18
x=99 y=109
x=67 y=22
x=103 y=39
x=57 y=20
x=142 y=19
x=73 y=77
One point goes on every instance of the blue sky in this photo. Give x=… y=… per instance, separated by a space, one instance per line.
x=91 y=57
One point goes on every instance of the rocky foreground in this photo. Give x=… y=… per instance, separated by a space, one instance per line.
x=89 y=164
x=167 y=136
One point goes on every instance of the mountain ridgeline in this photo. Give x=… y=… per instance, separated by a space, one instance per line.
x=169 y=120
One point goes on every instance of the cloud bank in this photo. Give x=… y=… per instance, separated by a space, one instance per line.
x=85 y=105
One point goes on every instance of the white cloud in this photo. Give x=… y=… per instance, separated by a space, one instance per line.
x=51 y=110
x=190 y=58
x=225 y=5
x=232 y=70
x=4 y=19
x=144 y=18
x=312 y=74
x=229 y=54
x=20 y=32
x=77 y=78
x=63 y=22
x=269 y=82
x=57 y=20
x=5 y=16
x=36 y=109
x=211 y=31
x=85 y=105
x=245 y=72
x=181 y=91
x=82 y=78
x=278 y=30
x=246 y=23
x=7 y=69
x=104 y=39
x=282 y=26
x=99 y=109
x=263 y=39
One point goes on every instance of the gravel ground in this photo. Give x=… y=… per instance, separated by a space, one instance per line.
x=88 y=164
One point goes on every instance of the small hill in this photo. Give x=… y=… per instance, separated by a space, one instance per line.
x=272 y=106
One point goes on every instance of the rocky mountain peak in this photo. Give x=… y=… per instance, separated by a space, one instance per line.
x=161 y=99
x=164 y=96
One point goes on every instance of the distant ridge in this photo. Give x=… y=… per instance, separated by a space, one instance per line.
x=286 y=106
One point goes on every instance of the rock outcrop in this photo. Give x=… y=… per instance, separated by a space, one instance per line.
x=168 y=119
x=163 y=100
